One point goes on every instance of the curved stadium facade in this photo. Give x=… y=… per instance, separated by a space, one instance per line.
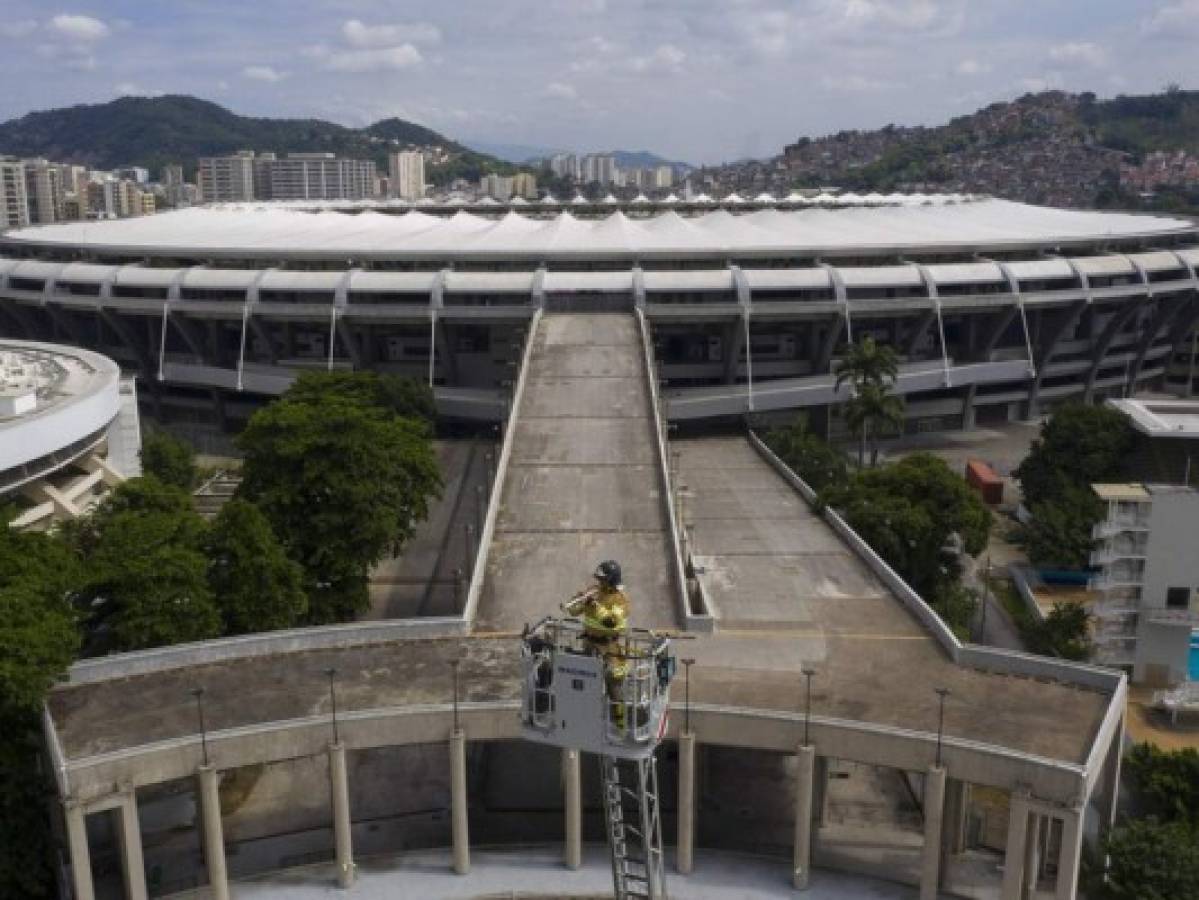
x=998 y=310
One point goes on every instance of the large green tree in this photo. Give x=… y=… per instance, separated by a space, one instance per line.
x=254 y=584
x=145 y=581
x=914 y=513
x=1065 y=632
x=1165 y=782
x=38 y=640
x=169 y=459
x=1059 y=532
x=405 y=397
x=342 y=479
x=1150 y=860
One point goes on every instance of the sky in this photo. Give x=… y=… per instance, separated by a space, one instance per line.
x=702 y=81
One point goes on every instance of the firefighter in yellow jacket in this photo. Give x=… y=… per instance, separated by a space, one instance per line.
x=604 y=612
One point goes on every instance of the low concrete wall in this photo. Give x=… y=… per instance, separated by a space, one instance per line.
x=271 y=643
x=692 y=621
x=989 y=659
x=485 y=537
x=1022 y=578
x=93 y=777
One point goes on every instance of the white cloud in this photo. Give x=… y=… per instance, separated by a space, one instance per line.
x=561 y=91
x=263 y=73
x=1173 y=20
x=972 y=67
x=133 y=89
x=404 y=56
x=854 y=84
x=359 y=34
x=1078 y=53
x=79 y=28
x=665 y=58
x=20 y=29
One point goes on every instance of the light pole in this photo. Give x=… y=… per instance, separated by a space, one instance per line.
x=808 y=672
x=198 y=693
x=454 y=664
x=942 y=693
x=687 y=664
x=332 y=673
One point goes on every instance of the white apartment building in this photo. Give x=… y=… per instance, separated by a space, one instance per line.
x=599 y=167
x=43 y=188
x=14 y=201
x=175 y=189
x=497 y=187
x=406 y=171
x=663 y=177
x=524 y=185
x=224 y=179
x=565 y=165
x=1149 y=580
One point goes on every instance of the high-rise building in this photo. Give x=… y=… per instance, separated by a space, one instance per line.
x=498 y=187
x=136 y=174
x=318 y=176
x=599 y=167
x=227 y=178
x=43 y=188
x=663 y=177
x=564 y=165
x=524 y=185
x=14 y=202
x=173 y=185
x=407 y=173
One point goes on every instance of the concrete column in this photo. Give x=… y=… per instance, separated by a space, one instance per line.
x=214 y=835
x=1070 y=855
x=804 y=770
x=339 y=785
x=934 y=815
x=81 y=860
x=1032 y=854
x=957 y=815
x=820 y=792
x=461 y=833
x=1013 y=859
x=129 y=839
x=572 y=854
x=686 y=836
x=1111 y=781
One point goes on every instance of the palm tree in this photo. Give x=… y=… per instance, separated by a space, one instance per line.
x=868 y=362
x=871 y=368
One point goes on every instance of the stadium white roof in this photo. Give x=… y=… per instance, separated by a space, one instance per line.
x=269 y=230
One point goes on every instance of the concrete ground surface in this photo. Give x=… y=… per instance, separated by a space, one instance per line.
x=420 y=581
x=582 y=483
x=538 y=873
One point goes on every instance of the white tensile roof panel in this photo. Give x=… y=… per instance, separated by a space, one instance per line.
x=700 y=280
x=144 y=276
x=1158 y=261
x=783 y=279
x=594 y=282
x=1104 y=265
x=1190 y=254
x=279 y=230
x=1040 y=269
x=880 y=276
x=31 y=268
x=392 y=282
x=489 y=282
x=220 y=279
x=284 y=280
x=965 y=273
x=85 y=273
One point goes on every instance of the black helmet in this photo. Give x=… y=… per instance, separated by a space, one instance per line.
x=609 y=573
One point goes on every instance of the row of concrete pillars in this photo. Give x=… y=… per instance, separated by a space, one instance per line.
x=1034 y=829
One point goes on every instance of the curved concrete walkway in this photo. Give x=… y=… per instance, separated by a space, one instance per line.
x=538 y=873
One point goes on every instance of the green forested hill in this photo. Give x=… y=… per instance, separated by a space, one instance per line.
x=154 y=131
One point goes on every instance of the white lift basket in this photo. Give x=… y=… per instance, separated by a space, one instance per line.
x=568 y=701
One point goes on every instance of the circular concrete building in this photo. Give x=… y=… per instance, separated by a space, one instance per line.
x=68 y=430
x=585 y=333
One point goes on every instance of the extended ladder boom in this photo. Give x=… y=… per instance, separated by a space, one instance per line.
x=634 y=822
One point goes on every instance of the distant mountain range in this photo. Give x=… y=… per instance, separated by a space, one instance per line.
x=526 y=153
x=155 y=131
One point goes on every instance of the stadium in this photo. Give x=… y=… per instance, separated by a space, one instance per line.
x=585 y=332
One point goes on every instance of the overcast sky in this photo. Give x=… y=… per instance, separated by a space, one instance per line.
x=698 y=80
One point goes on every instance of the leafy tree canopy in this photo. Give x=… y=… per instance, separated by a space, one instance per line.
x=169 y=459
x=341 y=481
x=405 y=397
x=255 y=586
x=38 y=641
x=1150 y=860
x=1166 y=782
x=1059 y=532
x=1079 y=445
x=809 y=456
x=1065 y=633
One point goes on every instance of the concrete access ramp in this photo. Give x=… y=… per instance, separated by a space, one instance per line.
x=584 y=480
